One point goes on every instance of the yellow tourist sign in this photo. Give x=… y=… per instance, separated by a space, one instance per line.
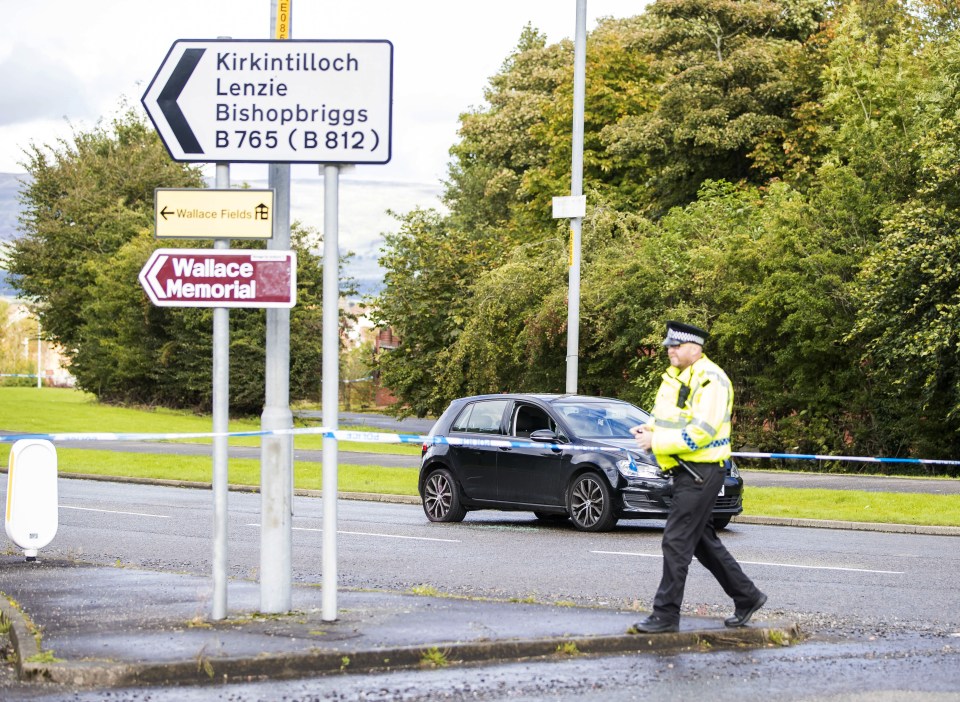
x=202 y=213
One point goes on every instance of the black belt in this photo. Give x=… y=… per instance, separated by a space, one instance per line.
x=691 y=467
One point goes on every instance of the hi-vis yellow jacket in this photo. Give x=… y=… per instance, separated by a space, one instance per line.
x=691 y=416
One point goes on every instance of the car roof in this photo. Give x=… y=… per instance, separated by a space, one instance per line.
x=550 y=398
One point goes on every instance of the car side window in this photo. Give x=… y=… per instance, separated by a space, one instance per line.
x=481 y=417
x=528 y=419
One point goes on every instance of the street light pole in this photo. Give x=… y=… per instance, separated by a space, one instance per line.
x=576 y=191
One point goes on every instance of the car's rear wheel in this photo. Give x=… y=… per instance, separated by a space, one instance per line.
x=441 y=498
x=590 y=504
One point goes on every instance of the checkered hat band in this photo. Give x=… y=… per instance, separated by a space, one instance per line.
x=684 y=337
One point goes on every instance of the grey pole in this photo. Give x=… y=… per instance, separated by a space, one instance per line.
x=39 y=356
x=576 y=189
x=276 y=451
x=331 y=383
x=221 y=425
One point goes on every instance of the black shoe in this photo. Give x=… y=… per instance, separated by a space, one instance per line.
x=656 y=625
x=742 y=616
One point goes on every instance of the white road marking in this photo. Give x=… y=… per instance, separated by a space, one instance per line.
x=366 y=533
x=116 y=511
x=776 y=565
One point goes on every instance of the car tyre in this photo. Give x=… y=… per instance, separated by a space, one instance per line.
x=590 y=503
x=720 y=523
x=441 y=497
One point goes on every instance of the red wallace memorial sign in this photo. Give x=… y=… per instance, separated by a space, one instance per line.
x=220 y=278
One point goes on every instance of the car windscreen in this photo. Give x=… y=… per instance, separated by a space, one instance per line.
x=595 y=420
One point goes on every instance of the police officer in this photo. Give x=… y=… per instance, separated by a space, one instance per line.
x=690 y=437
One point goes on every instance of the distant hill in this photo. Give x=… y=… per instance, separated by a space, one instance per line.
x=9 y=214
x=362 y=215
x=9 y=205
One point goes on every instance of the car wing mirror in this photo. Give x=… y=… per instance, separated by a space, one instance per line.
x=544 y=436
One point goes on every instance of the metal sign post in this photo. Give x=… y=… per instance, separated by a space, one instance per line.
x=276 y=451
x=221 y=425
x=331 y=384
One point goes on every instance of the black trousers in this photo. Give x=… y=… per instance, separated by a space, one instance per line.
x=689 y=532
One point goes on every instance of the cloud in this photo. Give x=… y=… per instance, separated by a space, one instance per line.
x=37 y=87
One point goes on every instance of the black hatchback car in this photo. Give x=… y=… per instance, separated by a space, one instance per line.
x=559 y=456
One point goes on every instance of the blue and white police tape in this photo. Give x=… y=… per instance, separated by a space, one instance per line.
x=339 y=435
x=391 y=438
x=860 y=459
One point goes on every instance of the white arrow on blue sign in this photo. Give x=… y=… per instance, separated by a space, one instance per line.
x=271 y=101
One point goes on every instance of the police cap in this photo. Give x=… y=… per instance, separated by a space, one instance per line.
x=679 y=333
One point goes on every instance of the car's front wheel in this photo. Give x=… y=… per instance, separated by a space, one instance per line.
x=590 y=504
x=720 y=522
x=441 y=497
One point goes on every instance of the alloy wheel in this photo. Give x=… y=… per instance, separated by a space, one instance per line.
x=587 y=502
x=441 y=498
x=437 y=496
x=590 y=504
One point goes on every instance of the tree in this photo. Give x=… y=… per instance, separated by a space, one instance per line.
x=87 y=232
x=497 y=146
x=909 y=308
x=426 y=301
x=513 y=157
x=781 y=171
x=135 y=352
x=730 y=78
x=618 y=85
x=786 y=312
x=502 y=346
x=873 y=74
x=82 y=203
x=515 y=153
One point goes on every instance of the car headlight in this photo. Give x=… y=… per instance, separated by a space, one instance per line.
x=630 y=468
x=734 y=471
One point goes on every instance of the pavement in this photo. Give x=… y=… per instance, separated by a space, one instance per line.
x=85 y=625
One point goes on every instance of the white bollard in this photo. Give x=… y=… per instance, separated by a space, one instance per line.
x=32 y=511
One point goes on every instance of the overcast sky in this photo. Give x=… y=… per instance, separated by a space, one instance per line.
x=66 y=63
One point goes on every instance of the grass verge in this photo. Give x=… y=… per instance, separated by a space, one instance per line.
x=62 y=410
x=853 y=506
x=240 y=471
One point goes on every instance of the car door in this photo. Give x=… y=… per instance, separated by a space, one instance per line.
x=476 y=464
x=529 y=474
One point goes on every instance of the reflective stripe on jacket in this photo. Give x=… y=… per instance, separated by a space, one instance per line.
x=691 y=416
